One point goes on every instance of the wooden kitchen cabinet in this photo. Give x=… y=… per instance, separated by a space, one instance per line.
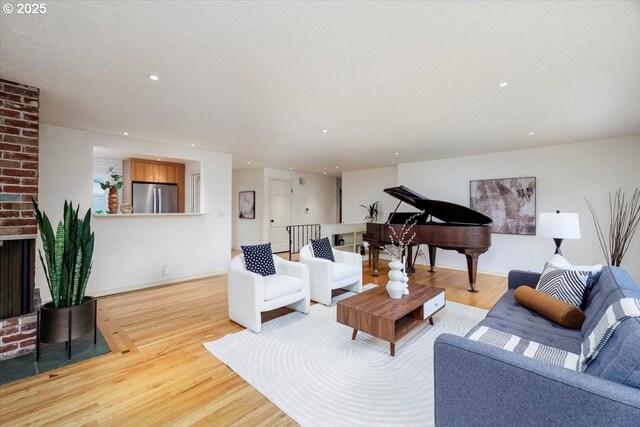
x=143 y=170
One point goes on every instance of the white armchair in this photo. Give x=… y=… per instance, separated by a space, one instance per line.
x=325 y=276
x=250 y=294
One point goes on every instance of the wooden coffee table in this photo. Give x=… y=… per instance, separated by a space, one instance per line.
x=376 y=313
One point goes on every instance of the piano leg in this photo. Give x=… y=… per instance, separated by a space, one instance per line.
x=409 y=268
x=432 y=258
x=472 y=268
x=375 y=252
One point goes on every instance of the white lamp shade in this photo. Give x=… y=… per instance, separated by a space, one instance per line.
x=559 y=225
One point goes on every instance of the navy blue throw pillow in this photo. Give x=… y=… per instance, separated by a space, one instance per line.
x=322 y=249
x=259 y=259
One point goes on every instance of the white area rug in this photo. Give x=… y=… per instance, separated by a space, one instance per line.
x=311 y=369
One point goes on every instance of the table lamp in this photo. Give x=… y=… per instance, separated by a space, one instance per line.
x=559 y=226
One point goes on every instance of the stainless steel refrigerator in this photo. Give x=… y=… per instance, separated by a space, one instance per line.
x=155 y=198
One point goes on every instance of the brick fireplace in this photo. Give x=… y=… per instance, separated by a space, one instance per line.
x=19 y=140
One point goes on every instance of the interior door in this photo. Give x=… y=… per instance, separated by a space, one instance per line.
x=281 y=213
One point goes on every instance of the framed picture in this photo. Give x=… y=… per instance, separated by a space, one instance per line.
x=247 y=204
x=510 y=202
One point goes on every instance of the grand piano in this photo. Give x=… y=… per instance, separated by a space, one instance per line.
x=462 y=229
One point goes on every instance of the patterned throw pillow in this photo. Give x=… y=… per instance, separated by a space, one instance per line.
x=566 y=285
x=259 y=259
x=322 y=249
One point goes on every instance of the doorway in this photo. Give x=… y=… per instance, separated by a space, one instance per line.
x=195 y=193
x=281 y=199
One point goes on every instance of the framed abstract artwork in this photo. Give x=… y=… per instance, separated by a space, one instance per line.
x=510 y=202
x=247 y=204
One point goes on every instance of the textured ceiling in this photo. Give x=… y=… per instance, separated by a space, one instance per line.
x=261 y=80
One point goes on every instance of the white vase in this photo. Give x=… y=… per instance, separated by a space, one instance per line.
x=405 y=280
x=396 y=285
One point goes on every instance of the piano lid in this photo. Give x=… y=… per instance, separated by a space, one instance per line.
x=444 y=211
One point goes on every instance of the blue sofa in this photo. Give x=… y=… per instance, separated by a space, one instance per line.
x=480 y=385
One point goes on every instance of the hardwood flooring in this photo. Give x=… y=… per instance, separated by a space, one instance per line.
x=158 y=372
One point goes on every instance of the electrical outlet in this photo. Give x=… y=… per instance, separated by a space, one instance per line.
x=165 y=270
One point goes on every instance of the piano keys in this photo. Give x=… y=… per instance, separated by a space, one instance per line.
x=461 y=229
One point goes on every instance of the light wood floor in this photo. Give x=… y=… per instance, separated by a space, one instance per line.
x=160 y=374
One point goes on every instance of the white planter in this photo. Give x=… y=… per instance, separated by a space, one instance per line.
x=405 y=280
x=396 y=286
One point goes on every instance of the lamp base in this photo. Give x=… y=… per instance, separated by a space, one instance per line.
x=558 y=243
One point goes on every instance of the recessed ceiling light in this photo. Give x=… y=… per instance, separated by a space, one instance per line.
x=290 y=169
x=248 y=163
x=397 y=154
x=193 y=145
x=337 y=167
x=503 y=84
x=531 y=133
x=324 y=173
x=154 y=77
x=125 y=133
x=324 y=131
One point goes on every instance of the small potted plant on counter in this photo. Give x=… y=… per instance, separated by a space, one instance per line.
x=113 y=185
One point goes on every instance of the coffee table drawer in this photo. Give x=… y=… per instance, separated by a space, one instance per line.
x=433 y=305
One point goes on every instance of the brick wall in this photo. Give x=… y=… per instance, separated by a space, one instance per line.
x=18 y=334
x=19 y=127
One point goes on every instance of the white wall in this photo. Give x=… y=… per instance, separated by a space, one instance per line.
x=565 y=176
x=364 y=188
x=129 y=251
x=318 y=193
x=248 y=231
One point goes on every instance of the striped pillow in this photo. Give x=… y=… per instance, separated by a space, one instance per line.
x=566 y=285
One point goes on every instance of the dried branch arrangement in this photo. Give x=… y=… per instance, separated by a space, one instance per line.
x=400 y=242
x=625 y=217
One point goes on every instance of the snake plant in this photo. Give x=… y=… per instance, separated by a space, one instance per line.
x=67 y=254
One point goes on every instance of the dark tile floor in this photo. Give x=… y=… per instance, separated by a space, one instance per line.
x=52 y=356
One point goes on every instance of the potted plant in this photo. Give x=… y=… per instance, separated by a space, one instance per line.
x=372 y=212
x=67 y=265
x=113 y=185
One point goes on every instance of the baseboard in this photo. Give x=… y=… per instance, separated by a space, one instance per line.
x=142 y=286
x=167 y=282
x=452 y=267
x=480 y=271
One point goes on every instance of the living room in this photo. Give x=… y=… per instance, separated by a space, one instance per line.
x=342 y=100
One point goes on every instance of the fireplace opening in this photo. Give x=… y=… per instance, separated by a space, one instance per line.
x=17 y=277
